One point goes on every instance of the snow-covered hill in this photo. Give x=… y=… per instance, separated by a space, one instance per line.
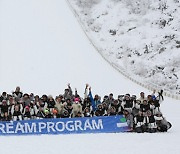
x=143 y=37
x=42 y=47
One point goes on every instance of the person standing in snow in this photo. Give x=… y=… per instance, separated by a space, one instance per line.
x=94 y=101
x=127 y=103
x=142 y=97
x=110 y=99
x=117 y=105
x=50 y=103
x=68 y=94
x=17 y=93
x=145 y=106
x=4 y=96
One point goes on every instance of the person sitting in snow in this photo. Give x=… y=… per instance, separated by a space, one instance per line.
x=139 y=122
x=162 y=124
x=100 y=111
x=87 y=112
x=6 y=117
x=151 y=122
x=112 y=111
x=117 y=105
x=40 y=114
x=129 y=119
x=26 y=113
x=16 y=112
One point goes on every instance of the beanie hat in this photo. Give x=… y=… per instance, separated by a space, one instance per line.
x=46 y=111
x=76 y=99
x=55 y=111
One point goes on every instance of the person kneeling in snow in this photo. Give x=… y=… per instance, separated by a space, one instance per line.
x=151 y=122
x=162 y=124
x=139 y=122
x=26 y=113
x=129 y=119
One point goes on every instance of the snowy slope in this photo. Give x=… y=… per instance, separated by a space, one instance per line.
x=135 y=33
x=42 y=48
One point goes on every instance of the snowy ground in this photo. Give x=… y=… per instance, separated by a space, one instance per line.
x=42 y=48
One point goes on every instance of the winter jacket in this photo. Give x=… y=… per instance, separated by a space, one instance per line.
x=76 y=108
x=40 y=115
x=4 y=108
x=27 y=115
x=17 y=94
x=144 y=108
x=139 y=120
x=60 y=107
x=130 y=121
x=151 y=122
x=94 y=103
x=51 y=103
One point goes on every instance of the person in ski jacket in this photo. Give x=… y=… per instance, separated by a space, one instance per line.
x=127 y=103
x=94 y=101
x=4 y=107
x=50 y=102
x=87 y=112
x=142 y=97
x=76 y=107
x=40 y=114
x=68 y=94
x=145 y=106
x=59 y=104
x=129 y=119
x=100 y=111
x=16 y=112
x=162 y=124
x=110 y=99
x=151 y=122
x=26 y=113
x=17 y=93
x=139 y=122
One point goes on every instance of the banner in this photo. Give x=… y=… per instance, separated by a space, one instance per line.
x=108 y=124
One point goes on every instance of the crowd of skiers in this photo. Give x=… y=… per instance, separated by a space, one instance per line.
x=142 y=113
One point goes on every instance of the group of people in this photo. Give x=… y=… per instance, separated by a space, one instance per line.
x=142 y=114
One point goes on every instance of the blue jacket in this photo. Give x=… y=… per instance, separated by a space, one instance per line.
x=94 y=103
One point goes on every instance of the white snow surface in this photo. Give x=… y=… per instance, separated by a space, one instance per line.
x=42 y=48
